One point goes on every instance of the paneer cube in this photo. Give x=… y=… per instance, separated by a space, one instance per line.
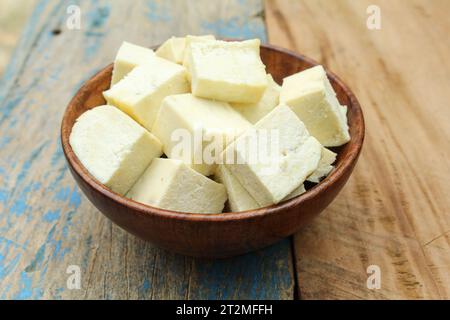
x=128 y=57
x=297 y=191
x=113 y=147
x=290 y=156
x=193 y=121
x=238 y=198
x=170 y=184
x=227 y=71
x=187 y=50
x=172 y=49
x=140 y=93
x=311 y=96
x=325 y=166
x=253 y=112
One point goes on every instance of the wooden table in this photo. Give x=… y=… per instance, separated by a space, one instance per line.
x=393 y=213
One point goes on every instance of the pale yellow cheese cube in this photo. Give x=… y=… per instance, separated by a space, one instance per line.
x=170 y=184
x=238 y=198
x=325 y=165
x=113 y=147
x=128 y=57
x=291 y=156
x=253 y=112
x=298 y=191
x=172 y=49
x=311 y=96
x=187 y=50
x=187 y=117
x=140 y=93
x=227 y=71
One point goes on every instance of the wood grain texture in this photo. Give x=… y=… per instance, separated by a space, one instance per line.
x=395 y=210
x=46 y=224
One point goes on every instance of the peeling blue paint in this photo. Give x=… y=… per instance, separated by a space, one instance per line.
x=158 y=11
x=75 y=198
x=26 y=291
x=96 y=20
x=28 y=163
x=3 y=195
x=62 y=194
x=56 y=183
x=37 y=260
x=8 y=108
x=57 y=155
x=19 y=206
x=235 y=27
x=51 y=216
x=6 y=269
x=4 y=141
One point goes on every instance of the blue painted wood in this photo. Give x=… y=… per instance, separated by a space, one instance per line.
x=46 y=224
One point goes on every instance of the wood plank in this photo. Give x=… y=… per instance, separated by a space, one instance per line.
x=46 y=224
x=394 y=212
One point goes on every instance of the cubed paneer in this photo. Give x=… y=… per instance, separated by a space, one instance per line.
x=172 y=49
x=113 y=147
x=128 y=57
x=187 y=50
x=170 y=184
x=325 y=166
x=140 y=93
x=184 y=118
x=287 y=155
x=227 y=71
x=238 y=198
x=311 y=96
x=297 y=191
x=253 y=112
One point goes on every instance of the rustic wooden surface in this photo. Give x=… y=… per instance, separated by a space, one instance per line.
x=46 y=224
x=395 y=210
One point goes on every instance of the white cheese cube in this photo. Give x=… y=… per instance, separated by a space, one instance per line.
x=112 y=147
x=187 y=50
x=227 y=71
x=253 y=112
x=344 y=113
x=298 y=191
x=292 y=156
x=238 y=198
x=172 y=49
x=325 y=166
x=185 y=114
x=128 y=57
x=140 y=93
x=311 y=96
x=170 y=184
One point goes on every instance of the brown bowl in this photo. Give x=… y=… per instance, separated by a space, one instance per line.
x=225 y=234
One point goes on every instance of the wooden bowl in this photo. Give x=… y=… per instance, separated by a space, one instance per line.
x=225 y=234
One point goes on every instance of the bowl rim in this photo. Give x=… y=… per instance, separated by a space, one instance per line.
x=147 y=210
